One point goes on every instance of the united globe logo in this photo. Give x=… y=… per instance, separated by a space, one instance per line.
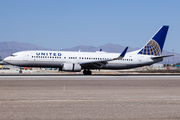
x=151 y=48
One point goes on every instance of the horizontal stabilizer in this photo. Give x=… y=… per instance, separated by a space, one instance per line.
x=157 y=57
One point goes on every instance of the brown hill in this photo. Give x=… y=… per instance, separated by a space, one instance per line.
x=7 y=48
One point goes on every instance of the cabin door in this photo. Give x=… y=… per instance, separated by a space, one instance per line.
x=140 y=58
x=25 y=57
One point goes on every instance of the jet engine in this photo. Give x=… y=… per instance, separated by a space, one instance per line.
x=71 y=67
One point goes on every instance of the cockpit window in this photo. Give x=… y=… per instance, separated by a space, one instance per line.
x=13 y=55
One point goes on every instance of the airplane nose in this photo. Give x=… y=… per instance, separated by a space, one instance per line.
x=7 y=59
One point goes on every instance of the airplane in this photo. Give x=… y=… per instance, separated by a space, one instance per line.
x=72 y=61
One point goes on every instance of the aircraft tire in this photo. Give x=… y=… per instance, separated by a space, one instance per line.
x=87 y=72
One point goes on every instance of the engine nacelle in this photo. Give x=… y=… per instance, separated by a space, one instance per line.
x=71 y=67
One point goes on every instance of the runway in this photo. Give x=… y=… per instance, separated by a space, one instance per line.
x=89 y=97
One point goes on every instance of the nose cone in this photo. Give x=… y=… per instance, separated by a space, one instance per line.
x=7 y=59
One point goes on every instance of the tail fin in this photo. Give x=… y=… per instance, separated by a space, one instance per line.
x=155 y=45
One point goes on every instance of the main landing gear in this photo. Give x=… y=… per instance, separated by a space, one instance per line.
x=20 y=70
x=87 y=72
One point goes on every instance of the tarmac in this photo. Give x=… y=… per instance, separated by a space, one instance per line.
x=97 y=97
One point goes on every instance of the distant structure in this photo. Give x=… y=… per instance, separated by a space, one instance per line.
x=0 y=59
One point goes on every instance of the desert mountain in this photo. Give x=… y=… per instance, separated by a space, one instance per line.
x=7 y=48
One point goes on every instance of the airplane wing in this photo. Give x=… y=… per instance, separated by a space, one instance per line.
x=157 y=57
x=100 y=63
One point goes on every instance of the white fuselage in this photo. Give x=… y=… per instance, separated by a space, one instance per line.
x=57 y=59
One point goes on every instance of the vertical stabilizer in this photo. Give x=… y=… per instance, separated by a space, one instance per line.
x=156 y=43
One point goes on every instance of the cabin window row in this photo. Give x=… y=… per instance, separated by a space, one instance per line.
x=98 y=58
x=126 y=59
x=87 y=58
x=93 y=58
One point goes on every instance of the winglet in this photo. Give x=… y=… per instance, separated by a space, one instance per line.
x=122 y=54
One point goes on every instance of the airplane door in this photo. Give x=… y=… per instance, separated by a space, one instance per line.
x=140 y=59
x=25 y=57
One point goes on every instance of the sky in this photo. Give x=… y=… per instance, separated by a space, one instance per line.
x=59 y=24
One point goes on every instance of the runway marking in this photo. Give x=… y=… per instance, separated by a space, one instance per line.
x=93 y=100
x=86 y=78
